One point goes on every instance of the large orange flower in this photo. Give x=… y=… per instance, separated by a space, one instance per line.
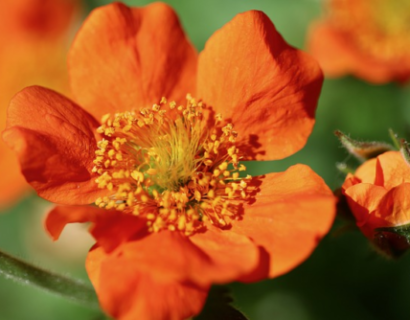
x=378 y=194
x=34 y=37
x=366 y=38
x=174 y=211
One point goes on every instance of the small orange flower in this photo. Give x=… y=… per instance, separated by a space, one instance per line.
x=34 y=37
x=174 y=209
x=367 y=38
x=378 y=194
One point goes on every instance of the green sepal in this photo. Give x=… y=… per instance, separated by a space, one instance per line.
x=395 y=138
x=393 y=241
x=405 y=150
x=218 y=306
x=363 y=150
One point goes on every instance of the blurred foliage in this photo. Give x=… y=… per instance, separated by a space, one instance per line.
x=344 y=278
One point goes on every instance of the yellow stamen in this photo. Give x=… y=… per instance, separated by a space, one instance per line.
x=171 y=170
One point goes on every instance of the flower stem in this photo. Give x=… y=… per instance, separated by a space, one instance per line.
x=27 y=274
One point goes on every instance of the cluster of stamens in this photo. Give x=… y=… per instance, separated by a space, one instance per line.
x=165 y=165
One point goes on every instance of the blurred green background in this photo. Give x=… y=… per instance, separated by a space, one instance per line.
x=343 y=279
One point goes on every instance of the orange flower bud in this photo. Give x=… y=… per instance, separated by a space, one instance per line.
x=378 y=195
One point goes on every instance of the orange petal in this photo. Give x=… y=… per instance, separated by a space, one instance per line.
x=363 y=199
x=327 y=46
x=293 y=211
x=125 y=59
x=220 y=256
x=394 y=169
x=268 y=89
x=110 y=228
x=369 y=172
x=29 y=19
x=12 y=182
x=127 y=293
x=59 y=216
x=171 y=256
x=338 y=55
x=55 y=143
x=350 y=181
x=394 y=208
x=233 y=255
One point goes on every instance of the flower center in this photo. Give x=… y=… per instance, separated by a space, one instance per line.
x=379 y=27
x=167 y=165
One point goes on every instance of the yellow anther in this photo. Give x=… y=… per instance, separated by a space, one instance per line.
x=211 y=194
x=151 y=171
x=116 y=145
x=121 y=207
x=127 y=128
x=130 y=199
x=198 y=195
x=100 y=129
x=204 y=205
x=110 y=204
x=105 y=117
x=136 y=210
x=137 y=175
x=231 y=150
x=155 y=194
x=181 y=223
x=223 y=166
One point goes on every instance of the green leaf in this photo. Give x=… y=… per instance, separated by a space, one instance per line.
x=218 y=306
x=363 y=150
x=27 y=274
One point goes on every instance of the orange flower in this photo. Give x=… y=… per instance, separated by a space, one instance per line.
x=378 y=194
x=367 y=38
x=174 y=212
x=34 y=34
